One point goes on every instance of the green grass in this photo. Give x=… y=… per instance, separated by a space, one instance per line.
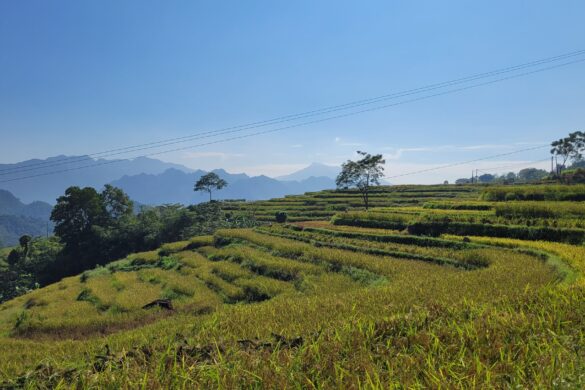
x=541 y=209
x=420 y=221
x=556 y=192
x=318 y=305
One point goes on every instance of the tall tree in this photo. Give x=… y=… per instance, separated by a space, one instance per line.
x=116 y=202
x=93 y=226
x=569 y=148
x=531 y=174
x=486 y=178
x=209 y=183
x=76 y=212
x=24 y=242
x=362 y=174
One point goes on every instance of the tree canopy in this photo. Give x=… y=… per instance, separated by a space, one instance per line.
x=94 y=228
x=569 y=148
x=88 y=223
x=362 y=174
x=532 y=174
x=209 y=183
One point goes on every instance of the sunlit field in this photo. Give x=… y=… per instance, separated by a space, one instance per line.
x=435 y=286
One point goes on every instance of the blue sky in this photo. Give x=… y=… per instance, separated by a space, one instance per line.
x=79 y=77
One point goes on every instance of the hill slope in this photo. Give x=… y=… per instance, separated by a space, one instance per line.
x=10 y=205
x=17 y=218
x=356 y=302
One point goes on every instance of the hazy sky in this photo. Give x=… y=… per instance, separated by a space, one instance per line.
x=78 y=77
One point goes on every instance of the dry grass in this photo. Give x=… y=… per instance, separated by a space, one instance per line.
x=254 y=310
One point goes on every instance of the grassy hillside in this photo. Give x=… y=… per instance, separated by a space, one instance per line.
x=436 y=286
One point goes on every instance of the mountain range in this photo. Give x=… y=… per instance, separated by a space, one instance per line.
x=71 y=171
x=175 y=186
x=148 y=180
x=11 y=205
x=17 y=218
x=25 y=205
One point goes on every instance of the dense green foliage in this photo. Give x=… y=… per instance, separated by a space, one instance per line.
x=281 y=216
x=27 y=266
x=94 y=228
x=569 y=148
x=573 y=176
x=97 y=228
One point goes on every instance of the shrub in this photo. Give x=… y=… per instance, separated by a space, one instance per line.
x=534 y=192
x=199 y=241
x=13 y=257
x=458 y=206
x=540 y=210
x=372 y=220
x=281 y=216
x=573 y=236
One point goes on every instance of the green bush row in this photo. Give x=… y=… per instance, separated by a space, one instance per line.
x=470 y=216
x=537 y=192
x=342 y=219
x=540 y=209
x=572 y=236
x=458 y=206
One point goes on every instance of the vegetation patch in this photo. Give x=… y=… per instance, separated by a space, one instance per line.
x=86 y=296
x=315 y=304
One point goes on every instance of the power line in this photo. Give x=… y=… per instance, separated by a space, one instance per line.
x=319 y=121
x=304 y=115
x=466 y=162
x=486 y=170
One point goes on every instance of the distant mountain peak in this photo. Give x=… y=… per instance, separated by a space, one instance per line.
x=318 y=164
x=314 y=169
x=11 y=205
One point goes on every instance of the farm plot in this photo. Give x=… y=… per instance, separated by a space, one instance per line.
x=364 y=301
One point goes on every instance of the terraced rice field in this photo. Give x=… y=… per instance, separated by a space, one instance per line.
x=364 y=301
x=325 y=204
